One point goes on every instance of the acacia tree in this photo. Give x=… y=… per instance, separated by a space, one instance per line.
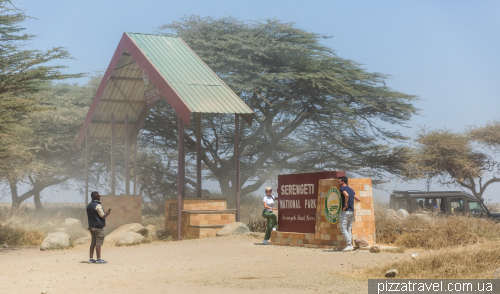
x=25 y=76
x=314 y=109
x=469 y=159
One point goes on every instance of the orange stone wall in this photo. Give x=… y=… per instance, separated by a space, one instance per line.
x=124 y=210
x=327 y=234
x=205 y=218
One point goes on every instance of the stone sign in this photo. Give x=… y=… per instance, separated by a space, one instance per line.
x=297 y=200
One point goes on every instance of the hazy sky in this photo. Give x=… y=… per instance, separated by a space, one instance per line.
x=446 y=52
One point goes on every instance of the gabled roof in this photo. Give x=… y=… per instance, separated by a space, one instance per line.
x=181 y=77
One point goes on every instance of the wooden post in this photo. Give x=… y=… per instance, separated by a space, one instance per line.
x=180 y=174
x=237 y=155
x=113 y=177
x=198 y=155
x=87 y=143
x=127 y=157
x=135 y=161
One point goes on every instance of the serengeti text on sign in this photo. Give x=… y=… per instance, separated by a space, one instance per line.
x=297 y=200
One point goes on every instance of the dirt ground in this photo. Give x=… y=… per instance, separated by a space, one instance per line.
x=236 y=264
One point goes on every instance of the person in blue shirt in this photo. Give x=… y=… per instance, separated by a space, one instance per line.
x=347 y=215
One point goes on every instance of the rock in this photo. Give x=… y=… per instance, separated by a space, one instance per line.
x=48 y=227
x=390 y=212
x=135 y=228
x=129 y=238
x=151 y=229
x=59 y=230
x=403 y=214
x=72 y=222
x=375 y=249
x=391 y=273
x=157 y=234
x=496 y=274
x=83 y=240
x=236 y=228
x=5 y=245
x=55 y=241
x=361 y=242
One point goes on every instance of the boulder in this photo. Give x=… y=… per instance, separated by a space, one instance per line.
x=135 y=228
x=496 y=274
x=59 y=230
x=375 y=249
x=55 y=241
x=83 y=240
x=361 y=242
x=48 y=227
x=390 y=212
x=403 y=214
x=157 y=234
x=129 y=238
x=72 y=222
x=235 y=228
x=391 y=273
x=151 y=229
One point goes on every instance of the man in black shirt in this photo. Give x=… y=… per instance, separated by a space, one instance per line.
x=97 y=221
x=347 y=214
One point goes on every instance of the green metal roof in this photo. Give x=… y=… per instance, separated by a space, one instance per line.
x=194 y=82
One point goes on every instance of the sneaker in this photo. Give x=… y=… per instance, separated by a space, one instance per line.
x=101 y=261
x=274 y=229
x=265 y=242
x=91 y=260
x=348 y=248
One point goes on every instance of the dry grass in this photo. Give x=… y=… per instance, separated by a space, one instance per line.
x=25 y=226
x=472 y=262
x=157 y=220
x=434 y=232
x=251 y=213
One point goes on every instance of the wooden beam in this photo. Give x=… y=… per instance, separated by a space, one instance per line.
x=87 y=143
x=127 y=157
x=105 y=122
x=125 y=79
x=122 y=101
x=106 y=139
x=198 y=155
x=113 y=178
x=180 y=173
x=135 y=163
x=237 y=155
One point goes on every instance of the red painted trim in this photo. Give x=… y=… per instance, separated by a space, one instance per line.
x=100 y=92
x=154 y=75
x=158 y=80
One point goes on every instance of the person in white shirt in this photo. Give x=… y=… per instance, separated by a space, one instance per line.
x=268 y=214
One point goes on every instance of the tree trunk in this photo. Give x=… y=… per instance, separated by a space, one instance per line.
x=38 y=202
x=227 y=191
x=14 y=195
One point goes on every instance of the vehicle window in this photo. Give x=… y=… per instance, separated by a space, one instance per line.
x=418 y=205
x=474 y=207
x=457 y=205
x=432 y=204
x=401 y=204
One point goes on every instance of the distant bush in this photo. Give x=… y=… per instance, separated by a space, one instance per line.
x=434 y=232
x=19 y=236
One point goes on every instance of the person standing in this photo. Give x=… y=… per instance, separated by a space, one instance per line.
x=268 y=214
x=97 y=222
x=347 y=215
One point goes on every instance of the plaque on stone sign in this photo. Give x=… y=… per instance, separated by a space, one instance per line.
x=172 y=212
x=152 y=96
x=297 y=200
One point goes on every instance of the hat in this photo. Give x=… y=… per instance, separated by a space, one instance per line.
x=269 y=189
